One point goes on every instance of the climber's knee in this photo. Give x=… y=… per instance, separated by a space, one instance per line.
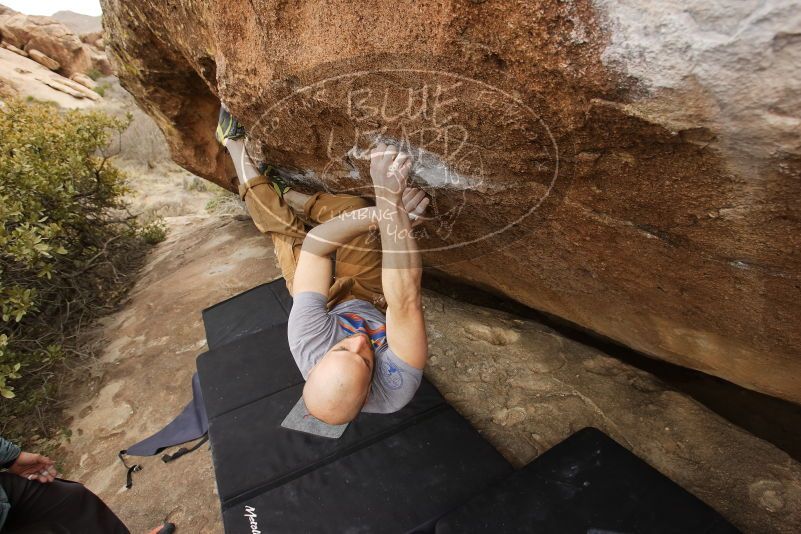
x=324 y=206
x=248 y=186
x=354 y=203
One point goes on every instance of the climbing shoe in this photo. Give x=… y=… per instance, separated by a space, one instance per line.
x=228 y=127
x=275 y=179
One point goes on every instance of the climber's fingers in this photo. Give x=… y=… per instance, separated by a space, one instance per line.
x=390 y=152
x=405 y=167
x=408 y=198
x=389 y=169
x=413 y=197
x=415 y=202
x=384 y=153
x=400 y=159
x=416 y=215
x=378 y=151
x=421 y=208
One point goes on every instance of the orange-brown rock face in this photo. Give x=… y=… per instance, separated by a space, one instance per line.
x=607 y=162
x=49 y=37
x=70 y=54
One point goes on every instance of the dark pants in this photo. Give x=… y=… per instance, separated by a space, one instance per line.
x=61 y=507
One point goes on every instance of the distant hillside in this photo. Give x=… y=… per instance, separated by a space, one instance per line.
x=78 y=23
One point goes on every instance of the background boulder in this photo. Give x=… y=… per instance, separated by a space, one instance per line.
x=58 y=41
x=94 y=38
x=632 y=167
x=12 y=48
x=43 y=59
x=49 y=37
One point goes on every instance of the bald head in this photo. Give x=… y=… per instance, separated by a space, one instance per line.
x=338 y=384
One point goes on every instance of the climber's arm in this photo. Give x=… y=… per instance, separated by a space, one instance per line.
x=314 y=271
x=401 y=270
x=401 y=275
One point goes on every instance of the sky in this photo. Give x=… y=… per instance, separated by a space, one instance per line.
x=48 y=7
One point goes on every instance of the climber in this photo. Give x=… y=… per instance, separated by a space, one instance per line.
x=353 y=356
x=32 y=499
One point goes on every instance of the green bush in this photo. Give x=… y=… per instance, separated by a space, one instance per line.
x=67 y=243
x=153 y=232
x=94 y=73
x=101 y=88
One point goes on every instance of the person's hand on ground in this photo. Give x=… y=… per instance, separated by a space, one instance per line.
x=389 y=170
x=415 y=202
x=34 y=467
x=164 y=528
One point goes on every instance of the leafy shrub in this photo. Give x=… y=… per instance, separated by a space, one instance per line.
x=94 y=73
x=67 y=243
x=101 y=88
x=153 y=232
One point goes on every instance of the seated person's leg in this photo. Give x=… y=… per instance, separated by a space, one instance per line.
x=287 y=252
x=58 y=507
x=270 y=213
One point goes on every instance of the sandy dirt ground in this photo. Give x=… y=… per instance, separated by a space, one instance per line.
x=521 y=384
x=147 y=364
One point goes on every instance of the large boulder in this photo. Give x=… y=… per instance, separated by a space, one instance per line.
x=84 y=80
x=43 y=59
x=100 y=61
x=94 y=38
x=630 y=166
x=12 y=48
x=48 y=36
x=23 y=77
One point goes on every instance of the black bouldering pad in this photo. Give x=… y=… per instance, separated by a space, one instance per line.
x=586 y=484
x=247 y=313
x=401 y=483
x=246 y=370
x=255 y=431
x=387 y=472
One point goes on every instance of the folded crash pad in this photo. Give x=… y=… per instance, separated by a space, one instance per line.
x=249 y=312
x=246 y=370
x=586 y=484
x=399 y=483
x=387 y=472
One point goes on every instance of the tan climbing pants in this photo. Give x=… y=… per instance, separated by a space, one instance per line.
x=357 y=265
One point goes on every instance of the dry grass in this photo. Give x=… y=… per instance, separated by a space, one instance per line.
x=225 y=203
x=142 y=143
